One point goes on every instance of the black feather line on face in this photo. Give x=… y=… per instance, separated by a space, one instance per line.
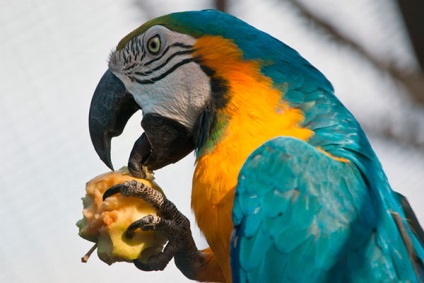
x=219 y=87
x=206 y=124
x=158 y=78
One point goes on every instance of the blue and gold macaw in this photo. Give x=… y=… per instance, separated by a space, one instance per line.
x=286 y=188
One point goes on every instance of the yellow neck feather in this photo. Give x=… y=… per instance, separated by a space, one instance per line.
x=255 y=113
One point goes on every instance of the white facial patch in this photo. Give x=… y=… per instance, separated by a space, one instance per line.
x=163 y=79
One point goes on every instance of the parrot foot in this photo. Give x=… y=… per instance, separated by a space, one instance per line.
x=170 y=221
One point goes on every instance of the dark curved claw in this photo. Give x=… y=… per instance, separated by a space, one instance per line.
x=112 y=191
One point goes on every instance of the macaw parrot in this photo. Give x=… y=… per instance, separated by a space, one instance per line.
x=286 y=188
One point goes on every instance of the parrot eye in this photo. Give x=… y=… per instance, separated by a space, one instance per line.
x=153 y=45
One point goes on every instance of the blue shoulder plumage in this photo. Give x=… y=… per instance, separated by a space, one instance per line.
x=303 y=216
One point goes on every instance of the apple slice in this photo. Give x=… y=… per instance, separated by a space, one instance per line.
x=105 y=222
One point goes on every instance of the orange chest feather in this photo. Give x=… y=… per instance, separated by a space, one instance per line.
x=254 y=113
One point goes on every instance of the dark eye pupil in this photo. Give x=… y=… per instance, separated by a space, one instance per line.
x=153 y=45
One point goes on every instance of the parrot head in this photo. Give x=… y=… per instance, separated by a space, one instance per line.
x=152 y=69
x=172 y=68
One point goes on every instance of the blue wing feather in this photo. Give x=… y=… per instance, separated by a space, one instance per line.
x=303 y=216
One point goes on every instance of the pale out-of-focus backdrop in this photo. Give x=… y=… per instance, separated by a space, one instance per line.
x=52 y=54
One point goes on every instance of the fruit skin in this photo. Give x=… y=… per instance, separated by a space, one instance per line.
x=105 y=222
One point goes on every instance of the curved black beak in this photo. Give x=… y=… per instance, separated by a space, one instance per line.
x=164 y=140
x=111 y=108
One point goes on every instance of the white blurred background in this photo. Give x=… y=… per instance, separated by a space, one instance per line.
x=52 y=55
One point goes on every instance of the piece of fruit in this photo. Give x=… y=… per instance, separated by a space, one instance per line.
x=105 y=222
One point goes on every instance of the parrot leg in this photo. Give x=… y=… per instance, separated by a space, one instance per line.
x=172 y=223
